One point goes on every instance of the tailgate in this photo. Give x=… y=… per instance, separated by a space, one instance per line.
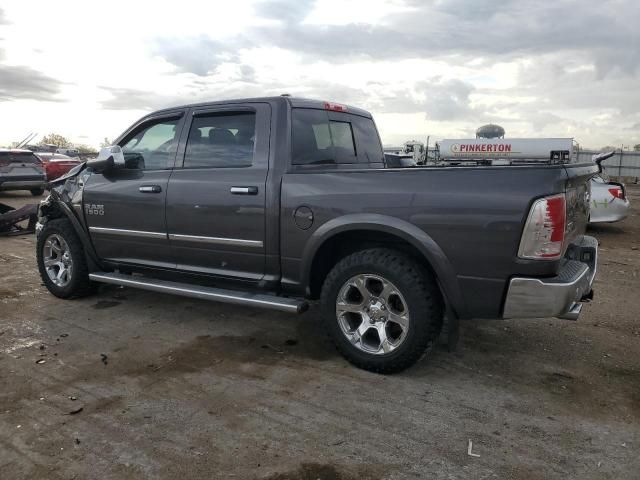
x=578 y=192
x=16 y=165
x=17 y=171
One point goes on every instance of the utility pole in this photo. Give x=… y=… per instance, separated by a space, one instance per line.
x=620 y=162
x=426 y=151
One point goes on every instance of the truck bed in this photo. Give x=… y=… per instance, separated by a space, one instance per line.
x=473 y=216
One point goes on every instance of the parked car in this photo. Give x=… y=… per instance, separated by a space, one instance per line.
x=609 y=201
x=275 y=199
x=21 y=170
x=70 y=152
x=57 y=164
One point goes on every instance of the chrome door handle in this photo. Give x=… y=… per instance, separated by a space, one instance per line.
x=244 y=190
x=150 y=189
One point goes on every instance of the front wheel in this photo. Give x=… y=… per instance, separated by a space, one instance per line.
x=36 y=192
x=61 y=260
x=382 y=309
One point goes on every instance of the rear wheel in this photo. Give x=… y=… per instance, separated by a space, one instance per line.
x=381 y=309
x=36 y=192
x=61 y=260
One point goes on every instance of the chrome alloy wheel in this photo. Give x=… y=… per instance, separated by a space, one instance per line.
x=372 y=314
x=56 y=256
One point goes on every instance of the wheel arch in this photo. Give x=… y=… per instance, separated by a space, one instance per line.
x=56 y=208
x=344 y=235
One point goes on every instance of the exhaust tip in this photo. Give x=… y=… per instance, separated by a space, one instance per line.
x=573 y=313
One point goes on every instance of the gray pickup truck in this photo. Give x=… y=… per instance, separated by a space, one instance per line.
x=268 y=202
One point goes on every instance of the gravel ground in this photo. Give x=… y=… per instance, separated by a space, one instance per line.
x=133 y=384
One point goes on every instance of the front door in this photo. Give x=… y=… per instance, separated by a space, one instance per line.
x=125 y=207
x=216 y=195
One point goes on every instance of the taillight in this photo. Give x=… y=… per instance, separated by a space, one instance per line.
x=617 y=192
x=543 y=234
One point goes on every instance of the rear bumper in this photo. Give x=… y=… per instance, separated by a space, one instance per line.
x=558 y=296
x=615 y=211
x=26 y=184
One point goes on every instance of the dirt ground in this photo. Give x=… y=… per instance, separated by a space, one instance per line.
x=141 y=385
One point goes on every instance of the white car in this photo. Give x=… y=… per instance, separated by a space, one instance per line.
x=609 y=202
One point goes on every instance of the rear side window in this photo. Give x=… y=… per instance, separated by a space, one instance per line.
x=221 y=140
x=317 y=139
x=7 y=158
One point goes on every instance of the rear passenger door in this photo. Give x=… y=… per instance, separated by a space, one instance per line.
x=216 y=196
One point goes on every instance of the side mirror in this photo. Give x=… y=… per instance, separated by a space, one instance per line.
x=108 y=158
x=100 y=165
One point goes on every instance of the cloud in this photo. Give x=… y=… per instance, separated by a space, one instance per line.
x=247 y=73
x=447 y=100
x=135 y=99
x=288 y=12
x=494 y=30
x=24 y=83
x=568 y=67
x=460 y=32
x=199 y=55
x=439 y=99
x=200 y=91
x=194 y=92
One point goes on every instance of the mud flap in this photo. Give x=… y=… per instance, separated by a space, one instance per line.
x=450 y=333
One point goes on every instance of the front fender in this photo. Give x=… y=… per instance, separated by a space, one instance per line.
x=432 y=253
x=56 y=207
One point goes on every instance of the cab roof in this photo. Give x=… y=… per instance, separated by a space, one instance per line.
x=14 y=150
x=294 y=102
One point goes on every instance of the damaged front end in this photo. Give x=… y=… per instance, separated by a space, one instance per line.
x=65 y=201
x=65 y=197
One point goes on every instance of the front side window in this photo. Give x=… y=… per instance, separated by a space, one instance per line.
x=318 y=140
x=153 y=147
x=221 y=140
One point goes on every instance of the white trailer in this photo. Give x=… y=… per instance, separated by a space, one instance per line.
x=496 y=151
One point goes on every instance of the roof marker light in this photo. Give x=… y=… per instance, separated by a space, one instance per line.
x=335 y=107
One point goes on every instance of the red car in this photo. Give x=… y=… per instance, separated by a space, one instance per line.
x=56 y=164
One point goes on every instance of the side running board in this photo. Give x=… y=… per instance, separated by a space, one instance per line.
x=204 y=293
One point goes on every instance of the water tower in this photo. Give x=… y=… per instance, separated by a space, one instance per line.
x=490 y=131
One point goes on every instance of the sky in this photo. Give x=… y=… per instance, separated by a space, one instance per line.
x=437 y=68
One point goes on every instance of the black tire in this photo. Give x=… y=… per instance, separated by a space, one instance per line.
x=79 y=284
x=36 y=192
x=420 y=292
